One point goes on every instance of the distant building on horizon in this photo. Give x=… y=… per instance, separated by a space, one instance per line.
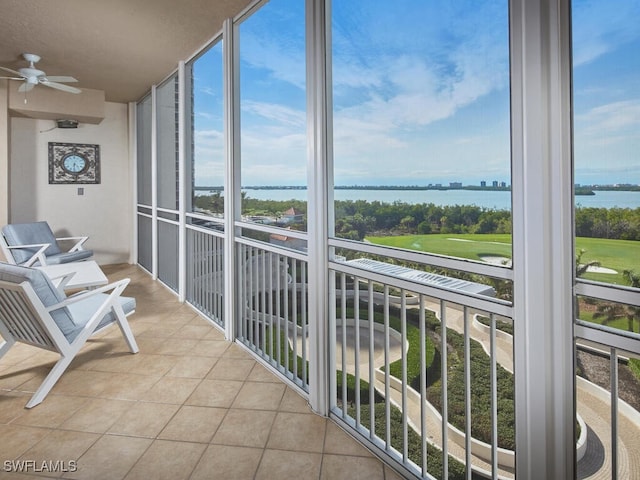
x=455 y=184
x=495 y=183
x=483 y=183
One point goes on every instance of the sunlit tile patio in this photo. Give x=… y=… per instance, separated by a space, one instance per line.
x=190 y=405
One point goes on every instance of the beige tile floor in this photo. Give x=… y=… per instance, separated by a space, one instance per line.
x=190 y=405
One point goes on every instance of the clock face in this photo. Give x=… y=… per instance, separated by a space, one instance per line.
x=74 y=163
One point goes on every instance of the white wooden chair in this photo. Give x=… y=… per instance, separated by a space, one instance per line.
x=34 y=312
x=34 y=243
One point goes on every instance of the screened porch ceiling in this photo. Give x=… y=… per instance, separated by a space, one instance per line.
x=121 y=47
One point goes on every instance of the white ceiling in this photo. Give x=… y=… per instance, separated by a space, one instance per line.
x=118 y=46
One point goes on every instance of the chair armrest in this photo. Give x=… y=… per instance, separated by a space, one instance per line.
x=109 y=303
x=39 y=255
x=61 y=281
x=117 y=287
x=78 y=245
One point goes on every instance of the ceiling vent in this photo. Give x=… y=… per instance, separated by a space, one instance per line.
x=67 y=123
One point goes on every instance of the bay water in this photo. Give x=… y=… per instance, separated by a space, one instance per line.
x=499 y=200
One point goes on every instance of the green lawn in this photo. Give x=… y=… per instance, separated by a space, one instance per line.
x=617 y=255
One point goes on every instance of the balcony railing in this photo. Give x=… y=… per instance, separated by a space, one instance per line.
x=205 y=272
x=422 y=370
x=272 y=307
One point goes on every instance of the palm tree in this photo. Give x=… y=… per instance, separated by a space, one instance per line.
x=633 y=311
x=217 y=202
x=610 y=312
x=614 y=311
x=632 y=277
x=581 y=269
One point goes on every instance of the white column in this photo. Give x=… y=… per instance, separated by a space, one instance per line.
x=154 y=182
x=182 y=194
x=318 y=202
x=133 y=165
x=232 y=207
x=542 y=239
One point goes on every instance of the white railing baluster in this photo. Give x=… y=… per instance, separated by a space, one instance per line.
x=614 y=412
x=287 y=324
x=445 y=396
x=294 y=308
x=467 y=394
x=263 y=292
x=405 y=411
x=279 y=286
x=356 y=338
x=423 y=382
x=494 y=397
x=372 y=377
x=387 y=371
x=343 y=342
x=303 y=320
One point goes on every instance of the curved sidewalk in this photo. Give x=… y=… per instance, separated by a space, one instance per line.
x=596 y=413
x=596 y=463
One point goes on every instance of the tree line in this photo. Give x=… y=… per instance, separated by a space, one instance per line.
x=357 y=218
x=614 y=223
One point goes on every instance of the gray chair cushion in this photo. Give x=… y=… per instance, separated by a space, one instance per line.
x=46 y=292
x=67 y=257
x=82 y=312
x=18 y=234
x=69 y=319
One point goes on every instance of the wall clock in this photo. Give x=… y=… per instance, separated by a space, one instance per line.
x=74 y=163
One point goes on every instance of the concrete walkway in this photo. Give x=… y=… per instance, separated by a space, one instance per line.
x=596 y=463
x=596 y=413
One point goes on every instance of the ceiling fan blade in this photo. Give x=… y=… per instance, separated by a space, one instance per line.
x=61 y=79
x=12 y=72
x=11 y=78
x=60 y=86
x=26 y=86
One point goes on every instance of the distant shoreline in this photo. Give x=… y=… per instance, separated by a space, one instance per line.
x=579 y=190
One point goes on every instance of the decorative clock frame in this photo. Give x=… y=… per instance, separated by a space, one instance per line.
x=88 y=154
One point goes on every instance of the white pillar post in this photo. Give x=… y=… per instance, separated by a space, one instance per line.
x=542 y=239
x=182 y=187
x=232 y=206
x=319 y=205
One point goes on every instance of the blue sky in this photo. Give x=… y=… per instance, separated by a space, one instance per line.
x=421 y=94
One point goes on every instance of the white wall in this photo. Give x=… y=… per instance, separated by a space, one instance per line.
x=104 y=212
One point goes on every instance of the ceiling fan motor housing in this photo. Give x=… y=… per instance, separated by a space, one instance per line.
x=32 y=76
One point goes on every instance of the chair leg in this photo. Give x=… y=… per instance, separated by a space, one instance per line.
x=51 y=379
x=128 y=336
x=123 y=323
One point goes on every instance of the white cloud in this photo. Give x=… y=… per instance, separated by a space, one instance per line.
x=209 y=156
x=285 y=60
x=601 y=27
x=209 y=137
x=210 y=91
x=611 y=118
x=275 y=113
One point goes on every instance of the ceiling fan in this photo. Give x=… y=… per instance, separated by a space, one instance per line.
x=31 y=77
